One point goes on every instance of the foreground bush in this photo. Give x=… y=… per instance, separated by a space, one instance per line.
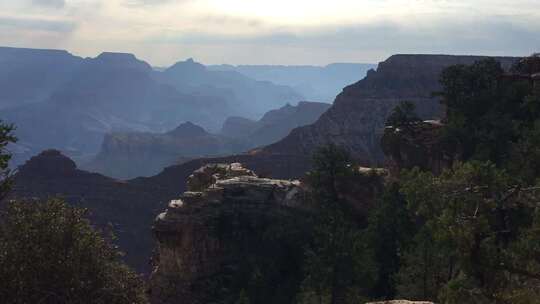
x=49 y=253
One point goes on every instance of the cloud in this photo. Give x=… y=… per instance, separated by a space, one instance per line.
x=277 y=31
x=50 y=3
x=495 y=35
x=146 y=3
x=60 y=26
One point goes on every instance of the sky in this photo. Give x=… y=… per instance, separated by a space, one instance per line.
x=273 y=31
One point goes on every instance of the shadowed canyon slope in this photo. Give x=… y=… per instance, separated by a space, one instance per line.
x=130 y=206
x=128 y=155
x=60 y=101
x=356 y=119
x=151 y=152
x=247 y=97
x=30 y=75
x=313 y=82
x=275 y=124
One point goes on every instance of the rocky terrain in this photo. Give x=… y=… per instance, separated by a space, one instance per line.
x=130 y=206
x=113 y=92
x=232 y=227
x=154 y=151
x=31 y=75
x=151 y=152
x=208 y=232
x=246 y=97
x=316 y=83
x=65 y=102
x=356 y=119
x=274 y=125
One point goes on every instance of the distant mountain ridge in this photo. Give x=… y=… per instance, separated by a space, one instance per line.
x=31 y=75
x=129 y=206
x=275 y=124
x=253 y=97
x=112 y=92
x=65 y=102
x=356 y=119
x=315 y=83
x=152 y=152
x=133 y=154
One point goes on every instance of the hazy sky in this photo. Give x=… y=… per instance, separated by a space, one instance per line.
x=273 y=31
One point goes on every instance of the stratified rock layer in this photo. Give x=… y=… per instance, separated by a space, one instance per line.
x=356 y=120
x=210 y=232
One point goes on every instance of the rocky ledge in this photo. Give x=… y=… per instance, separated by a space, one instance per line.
x=211 y=235
x=401 y=302
x=415 y=145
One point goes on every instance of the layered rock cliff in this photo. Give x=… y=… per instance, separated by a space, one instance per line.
x=127 y=208
x=248 y=97
x=31 y=75
x=225 y=231
x=151 y=152
x=275 y=124
x=356 y=119
x=317 y=83
x=130 y=206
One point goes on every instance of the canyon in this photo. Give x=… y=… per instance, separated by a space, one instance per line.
x=356 y=121
x=154 y=151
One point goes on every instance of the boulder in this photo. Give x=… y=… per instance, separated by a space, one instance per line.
x=211 y=173
x=222 y=221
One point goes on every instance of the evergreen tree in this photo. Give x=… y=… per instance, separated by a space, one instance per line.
x=403 y=115
x=49 y=253
x=478 y=238
x=488 y=110
x=337 y=264
x=389 y=233
x=6 y=138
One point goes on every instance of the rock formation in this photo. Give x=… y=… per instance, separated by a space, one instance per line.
x=246 y=96
x=217 y=227
x=238 y=127
x=152 y=152
x=110 y=93
x=415 y=145
x=275 y=124
x=356 y=119
x=317 y=83
x=65 y=102
x=130 y=206
x=31 y=75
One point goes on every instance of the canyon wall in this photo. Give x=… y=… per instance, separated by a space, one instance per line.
x=356 y=119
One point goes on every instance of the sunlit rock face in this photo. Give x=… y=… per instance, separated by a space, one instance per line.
x=206 y=237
